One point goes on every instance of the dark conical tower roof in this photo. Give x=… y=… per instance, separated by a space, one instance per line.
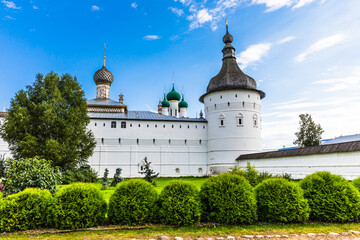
x=230 y=75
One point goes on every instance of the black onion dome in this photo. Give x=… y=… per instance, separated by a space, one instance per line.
x=103 y=76
x=230 y=75
x=228 y=38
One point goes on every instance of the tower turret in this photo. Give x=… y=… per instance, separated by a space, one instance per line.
x=103 y=79
x=232 y=109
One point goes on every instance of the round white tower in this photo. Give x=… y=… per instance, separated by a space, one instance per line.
x=232 y=109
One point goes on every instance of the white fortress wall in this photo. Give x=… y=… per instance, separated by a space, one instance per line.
x=346 y=164
x=173 y=148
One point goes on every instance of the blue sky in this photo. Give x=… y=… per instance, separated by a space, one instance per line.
x=303 y=53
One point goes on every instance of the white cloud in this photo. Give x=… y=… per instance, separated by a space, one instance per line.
x=253 y=54
x=151 y=37
x=320 y=45
x=10 y=18
x=134 y=5
x=178 y=12
x=95 y=8
x=256 y=52
x=351 y=82
x=35 y=7
x=285 y=40
x=10 y=4
x=273 y=5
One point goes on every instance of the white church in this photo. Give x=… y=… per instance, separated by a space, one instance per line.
x=175 y=144
x=228 y=135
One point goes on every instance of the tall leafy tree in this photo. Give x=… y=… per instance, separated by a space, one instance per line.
x=309 y=133
x=49 y=120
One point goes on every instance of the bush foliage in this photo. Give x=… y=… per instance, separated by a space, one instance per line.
x=229 y=199
x=27 y=209
x=179 y=204
x=254 y=176
x=81 y=174
x=30 y=173
x=331 y=198
x=356 y=183
x=132 y=203
x=79 y=205
x=279 y=200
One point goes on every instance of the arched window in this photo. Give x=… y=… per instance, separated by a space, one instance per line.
x=123 y=124
x=154 y=141
x=137 y=141
x=221 y=120
x=113 y=124
x=102 y=141
x=256 y=120
x=95 y=124
x=239 y=120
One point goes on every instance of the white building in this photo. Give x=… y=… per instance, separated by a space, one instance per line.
x=175 y=144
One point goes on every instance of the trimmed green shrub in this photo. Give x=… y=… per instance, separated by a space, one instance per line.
x=30 y=173
x=179 y=204
x=279 y=200
x=356 y=183
x=81 y=174
x=331 y=198
x=27 y=209
x=78 y=205
x=132 y=203
x=228 y=199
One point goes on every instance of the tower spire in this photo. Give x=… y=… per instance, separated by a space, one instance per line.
x=4 y=107
x=104 y=54
x=227 y=29
x=173 y=82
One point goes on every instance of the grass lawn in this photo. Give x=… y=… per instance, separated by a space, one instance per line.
x=155 y=231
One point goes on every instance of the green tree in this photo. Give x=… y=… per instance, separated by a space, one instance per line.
x=49 y=120
x=309 y=133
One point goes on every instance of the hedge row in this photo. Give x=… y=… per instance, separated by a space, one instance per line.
x=227 y=199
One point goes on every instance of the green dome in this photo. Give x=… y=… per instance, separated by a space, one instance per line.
x=173 y=95
x=165 y=103
x=183 y=104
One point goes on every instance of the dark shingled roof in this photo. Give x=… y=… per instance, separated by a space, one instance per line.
x=230 y=75
x=322 y=149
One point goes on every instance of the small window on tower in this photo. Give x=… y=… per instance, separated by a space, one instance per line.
x=256 y=122
x=155 y=125
x=95 y=124
x=240 y=119
x=123 y=124
x=113 y=124
x=221 y=120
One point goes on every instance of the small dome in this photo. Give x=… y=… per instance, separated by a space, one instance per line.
x=183 y=104
x=173 y=95
x=165 y=103
x=103 y=76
